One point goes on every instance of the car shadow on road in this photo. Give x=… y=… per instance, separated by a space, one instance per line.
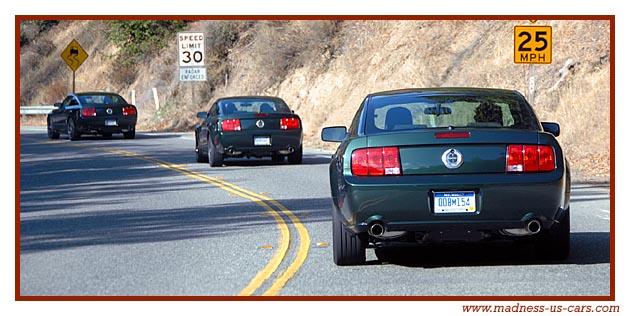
x=586 y=248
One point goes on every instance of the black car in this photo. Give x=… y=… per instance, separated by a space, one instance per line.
x=248 y=126
x=101 y=113
x=422 y=166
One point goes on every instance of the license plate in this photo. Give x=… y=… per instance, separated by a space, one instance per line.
x=454 y=202
x=110 y=123
x=262 y=141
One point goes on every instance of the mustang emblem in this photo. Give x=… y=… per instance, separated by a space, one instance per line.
x=260 y=123
x=452 y=158
x=109 y=111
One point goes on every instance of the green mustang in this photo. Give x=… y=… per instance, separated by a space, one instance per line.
x=419 y=166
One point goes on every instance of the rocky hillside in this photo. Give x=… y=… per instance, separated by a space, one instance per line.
x=323 y=69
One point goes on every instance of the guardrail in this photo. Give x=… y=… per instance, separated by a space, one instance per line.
x=36 y=109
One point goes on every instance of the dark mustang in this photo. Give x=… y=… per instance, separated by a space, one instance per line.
x=250 y=126
x=447 y=165
x=94 y=113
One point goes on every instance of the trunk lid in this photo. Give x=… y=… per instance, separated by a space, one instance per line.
x=423 y=152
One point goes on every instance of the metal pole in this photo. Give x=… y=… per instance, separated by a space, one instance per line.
x=532 y=85
x=73 y=81
x=192 y=89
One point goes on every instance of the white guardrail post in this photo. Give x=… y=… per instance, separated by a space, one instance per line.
x=38 y=109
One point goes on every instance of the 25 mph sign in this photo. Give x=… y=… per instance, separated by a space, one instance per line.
x=532 y=44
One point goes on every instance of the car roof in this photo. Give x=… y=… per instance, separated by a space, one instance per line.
x=270 y=98
x=94 y=93
x=445 y=91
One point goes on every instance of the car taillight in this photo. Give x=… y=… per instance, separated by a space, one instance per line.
x=289 y=123
x=231 y=125
x=129 y=110
x=88 y=112
x=530 y=158
x=379 y=161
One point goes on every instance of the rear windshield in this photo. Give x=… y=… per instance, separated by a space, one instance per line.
x=102 y=99
x=252 y=106
x=406 y=112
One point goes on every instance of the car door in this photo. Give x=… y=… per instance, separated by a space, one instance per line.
x=208 y=126
x=60 y=114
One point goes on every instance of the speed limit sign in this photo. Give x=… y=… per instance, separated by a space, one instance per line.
x=532 y=44
x=191 y=49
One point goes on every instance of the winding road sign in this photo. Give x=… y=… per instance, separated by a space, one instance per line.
x=74 y=55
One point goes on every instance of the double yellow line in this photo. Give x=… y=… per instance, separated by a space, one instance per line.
x=266 y=203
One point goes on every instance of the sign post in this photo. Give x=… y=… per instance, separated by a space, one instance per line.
x=532 y=45
x=74 y=55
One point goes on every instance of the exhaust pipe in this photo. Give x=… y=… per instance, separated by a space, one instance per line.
x=376 y=229
x=534 y=226
x=230 y=151
x=287 y=151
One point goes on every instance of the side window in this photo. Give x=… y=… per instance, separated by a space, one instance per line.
x=214 y=110
x=67 y=101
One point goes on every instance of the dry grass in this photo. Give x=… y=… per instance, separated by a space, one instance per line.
x=324 y=69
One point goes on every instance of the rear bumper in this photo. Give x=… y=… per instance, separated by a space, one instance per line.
x=502 y=201
x=238 y=144
x=98 y=125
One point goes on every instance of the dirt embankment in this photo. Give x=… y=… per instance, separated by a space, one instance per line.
x=323 y=69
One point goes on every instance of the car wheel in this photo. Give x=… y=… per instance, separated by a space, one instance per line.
x=348 y=248
x=131 y=134
x=73 y=134
x=52 y=134
x=201 y=157
x=215 y=159
x=555 y=243
x=296 y=157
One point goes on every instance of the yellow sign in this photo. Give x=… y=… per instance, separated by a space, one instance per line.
x=74 y=55
x=532 y=44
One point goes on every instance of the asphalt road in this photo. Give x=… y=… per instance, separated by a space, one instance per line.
x=115 y=217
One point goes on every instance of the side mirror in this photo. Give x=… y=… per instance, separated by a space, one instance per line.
x=57 y=105
x=334 y=134
x=553 y=128
x=202 y=115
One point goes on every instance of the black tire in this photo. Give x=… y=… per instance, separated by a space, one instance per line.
x=277 y=158
x=215 y=159
x=73 y=134
x=52 y=134
x=201 y=157
x=296 y=157
x=348 y=248
x=131 y=134
x=555 y=243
